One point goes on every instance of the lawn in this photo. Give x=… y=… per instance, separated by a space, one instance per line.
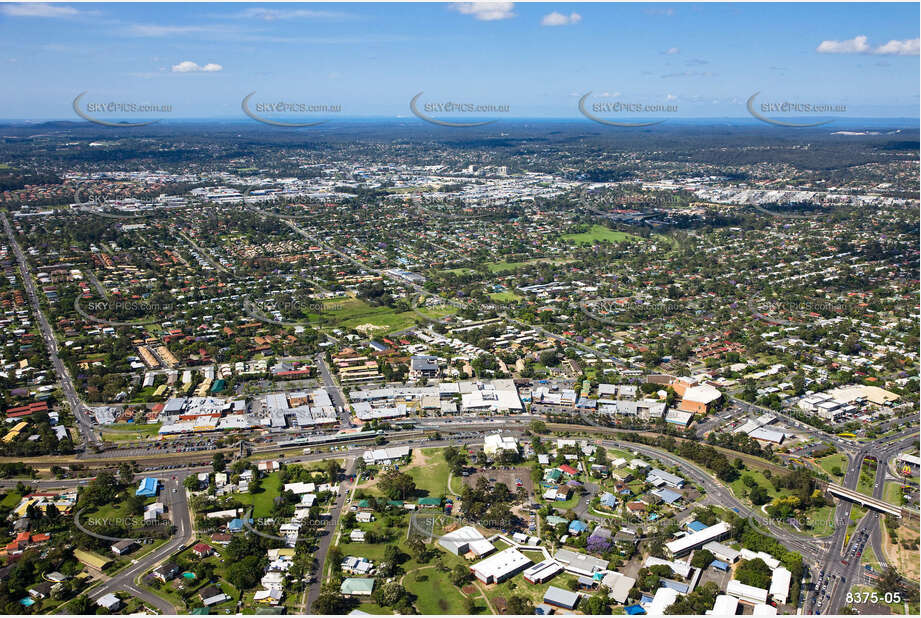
x=431 y=477
x=518 y=586
x=10 y=500
x=828 y=462
x=263 y=501
x=821 y=521
x=435 y=594
x=500 y=267
x=130 y=431
x=505 y=297
x=867 y=478
x=437 y=312
x=352 y=312
x=740 y=489
x=893 y=493
x=599 y=233
x=460 y=271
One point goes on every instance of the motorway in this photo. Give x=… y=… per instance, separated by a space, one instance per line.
x=77 y=407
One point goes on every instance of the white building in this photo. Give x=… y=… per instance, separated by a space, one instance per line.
x=681 y=546
x=499 y=567
x=724 y=605
x=745 y=592
x=661 y=601
x=494 y=443
x=780 y=585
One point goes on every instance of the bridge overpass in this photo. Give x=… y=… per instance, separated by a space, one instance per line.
x=856 y=496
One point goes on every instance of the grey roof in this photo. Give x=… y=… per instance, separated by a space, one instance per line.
x=560 y=597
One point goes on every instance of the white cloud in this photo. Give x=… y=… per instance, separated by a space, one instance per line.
x=671 y=51
x=486 y=11
x=156 y=30
x=670 y=97
x=857 y=45
x=908 y=47
x=276 y=14
x=558 y=19
x=188 y=66
x=38 y=10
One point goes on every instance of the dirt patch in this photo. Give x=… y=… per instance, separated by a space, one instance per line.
x=500 y=604
x=468 y=589
x=510 y=477
x=905 y=560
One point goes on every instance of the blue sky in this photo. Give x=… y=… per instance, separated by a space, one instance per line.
x=538 y=59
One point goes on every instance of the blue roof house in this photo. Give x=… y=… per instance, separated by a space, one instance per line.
x=577 y=527
x=147 y=488
x=607 y=499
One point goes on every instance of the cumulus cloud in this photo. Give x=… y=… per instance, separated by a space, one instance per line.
x=671 y=51
x=38 y=10
x=559 y=19
x=486 y=11
x=188 y=66
x=908 y=47
x=859 y=45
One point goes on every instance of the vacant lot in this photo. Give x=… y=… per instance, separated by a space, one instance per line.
x=599 y=233
x=509 y=477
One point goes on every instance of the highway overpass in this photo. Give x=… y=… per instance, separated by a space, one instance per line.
x=855 y=496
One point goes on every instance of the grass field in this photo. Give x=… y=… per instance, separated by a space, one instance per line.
x=505 y=297
x=459 y=271
x=821 y=521
x=130 y=431
x=599 y=233
x=830 y=461
x=431 y=477
x=263 y=501
x=435 y=594
x=10 y=500
x=740 y=489
x=500 y=267
x=352 y=312
x=437 y=312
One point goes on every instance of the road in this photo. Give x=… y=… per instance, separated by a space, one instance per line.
x=326 y=538
x=125 y=580
x=868 y=530
x=77 y=407
x=335 y=393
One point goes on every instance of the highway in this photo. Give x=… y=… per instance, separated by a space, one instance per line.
x=77 y=407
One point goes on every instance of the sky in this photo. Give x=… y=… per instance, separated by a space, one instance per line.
x=538 y=59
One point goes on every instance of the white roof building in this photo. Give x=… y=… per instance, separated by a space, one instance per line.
x=466 y=540
x=780 y=584
x=619 y=585
x=661 y=601
x=681 y=546
x=763 y=609
x=494 y=443
x=724 y=605
x=500 y=566
x=745 y=592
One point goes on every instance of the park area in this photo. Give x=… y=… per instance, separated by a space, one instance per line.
x=599 y=233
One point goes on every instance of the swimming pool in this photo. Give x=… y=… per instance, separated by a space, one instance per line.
x=189 y=575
